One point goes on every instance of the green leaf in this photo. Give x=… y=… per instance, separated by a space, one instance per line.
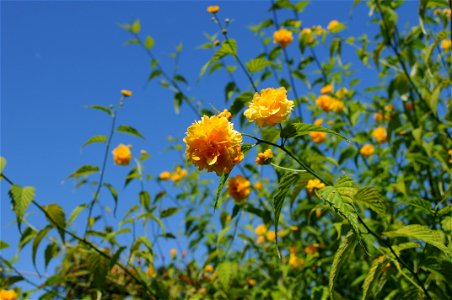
x=27 y=235
x=298 y=129
x=447 y=223
x=226 y=272
x=136 y=26
x=50 y=252
x=257 y=64
x=2 y=165
x=371 y=198
x=149 y=42
x=57 y=218
x=370 y=277
x=3 y=245
x=223 y=180
x=95 y=139
x=101 y=108
x=114 y=194
x=76 y=212
x=343 y=252
x=129 y=130
x=41 y=234
x=145 y=199
x=229 y=47
x=168 y=212
x=99 y=266
x=21 y=198
x=340 y=198
x=286 y=184
x=84 y=171
x=423 y=233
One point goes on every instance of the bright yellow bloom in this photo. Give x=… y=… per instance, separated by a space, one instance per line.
x=450 y=153
x=294 y=261
x=314 y=184
x=151 y=272
x=213 y=144
x=208 y=269
x=294 y=228
x=213 y=9
x=380 y=135
x=317 y=136
x=122 y=155
x=126 y=93
x=326 y=89
x=271 y=235
x=367 y=150
x=251 y=282
x=8 y=295
x=165 y=175
x=261 y=229
x=258 y=185
x=334 y=25
x=312 y=249
x=173 y=253
x=178 y=174
x=225 y=113
x=265 y=157
x=283 y=37
x=446 y=45
x=239 y=188
x=328 y=103
x=270 y=107
x=307 y=35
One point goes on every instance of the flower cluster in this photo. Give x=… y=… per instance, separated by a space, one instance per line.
x=122 y=155
x=213 y=144
x=294 y=260
x=283 y=37
x=239 y=188
x=175 y=176
x=264 y=234
x=328 y=103
x=270 y=107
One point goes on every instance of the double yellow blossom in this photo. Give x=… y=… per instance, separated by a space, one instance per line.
x=122 y=155
x=265 y=157
x=239 y=188
x=328 y=103
x=178 y=174
x=317 y=136
x=380 y=135
x=314 y=184
x=446 y=45
x=213 y=144
x=270 y=107
x=283 y=37
x=327 y=89
x=8 y=295
x=367 y=150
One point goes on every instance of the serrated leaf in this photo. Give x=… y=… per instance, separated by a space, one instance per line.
x=101 y=108
x=39 y=236
x=84 y=171
x=257 y=64
x=346 y=246
x=149 y=42
x=226 y=273
x=57 y=218
x=21 y=198
x=423 y=233
x=129 y=130
x=114 y=194
x=446 y=224
x=285 y=186
x=371 y=276
x=371 y=198
x=168 y=212
x=298 y=129
x=95 y=139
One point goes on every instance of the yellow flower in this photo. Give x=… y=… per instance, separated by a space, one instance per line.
x=271 y=236
x=173 y=253
x=260 y=239
x=283 y=37
x=122 y=155
x=178 y=174
x=317 y=136
x=312 y=249
x=294 y=261
x=318 y=212
x=450 y=153
x=270 y=107
x=326 y=89
x=261 y=229
x=306 y=34
x=8 y=295
x=213 y=144
x=208 y=269
x=314 y=184
x=446 y=45
x=334 y=26
x=258 y=185
x=317 y=29
x=265 y=157
x=165 y=175
x=341 y=93
x=251 y=282
x=151 y=272
x=225 y=113
x=213 y=9
x=126 y=93
x=328 y=103
x=380 y=135
x=367 y=150
x=294 y=228
x=239 y=188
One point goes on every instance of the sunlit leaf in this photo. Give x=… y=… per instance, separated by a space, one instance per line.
x=129 y=130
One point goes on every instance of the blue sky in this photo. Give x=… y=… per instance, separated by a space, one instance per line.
x=58 y=57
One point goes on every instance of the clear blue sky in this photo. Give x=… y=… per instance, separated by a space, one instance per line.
x=58 y=57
